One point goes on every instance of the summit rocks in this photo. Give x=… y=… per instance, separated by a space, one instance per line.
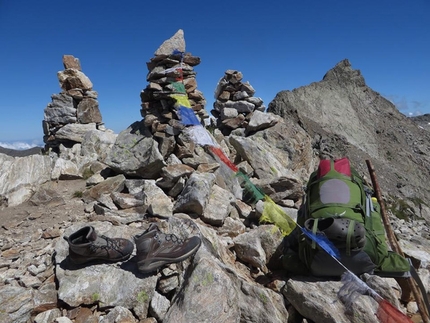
x=153 y=172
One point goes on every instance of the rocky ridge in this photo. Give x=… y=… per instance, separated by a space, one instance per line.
x=423 y=121
x=347 y=118
x=121 y=183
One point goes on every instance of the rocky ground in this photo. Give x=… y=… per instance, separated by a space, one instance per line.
x=56 y=204
x=28 y=234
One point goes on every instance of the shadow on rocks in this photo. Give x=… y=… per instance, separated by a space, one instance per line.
x=129 y=265
x=67 y=264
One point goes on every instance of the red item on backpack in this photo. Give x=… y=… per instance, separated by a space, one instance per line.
x=342 y=166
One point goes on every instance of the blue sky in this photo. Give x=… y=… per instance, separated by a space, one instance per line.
x=277 y=45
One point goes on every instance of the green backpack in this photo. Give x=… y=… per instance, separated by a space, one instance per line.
x=339 y=205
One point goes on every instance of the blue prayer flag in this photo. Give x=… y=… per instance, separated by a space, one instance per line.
x=188 y=118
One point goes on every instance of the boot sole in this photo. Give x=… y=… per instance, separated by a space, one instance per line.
x=96 y=259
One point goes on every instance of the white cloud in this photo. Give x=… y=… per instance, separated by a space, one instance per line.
x=408 y=108
x=20 y=145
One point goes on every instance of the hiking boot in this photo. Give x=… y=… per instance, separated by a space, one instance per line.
x=156 y=249
x=85 y=246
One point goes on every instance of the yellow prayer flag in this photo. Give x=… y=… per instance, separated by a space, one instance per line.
x=181 y=100
x=273 y=213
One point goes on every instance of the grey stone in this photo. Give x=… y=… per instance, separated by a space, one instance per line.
x=97 y=144
x=171 y=174
x=65 y=169
x=111 y=184
x=126 y=201
x=218 y=207
x=195 y=194
x=20 y=177
x=260 y=121
x=176 y=42
x=249 y=249
x=72 y=78
x=47 y=316
x=258 y=304
x=159 y=306
x=88 y=111
x=135 y=153
x=206 y=284
x=118 y=314
x=16 y=304
x=74 y=131
x=318 y=302
x=241 y=95
x=232 y=227
x=60 y=110
x=158 y=202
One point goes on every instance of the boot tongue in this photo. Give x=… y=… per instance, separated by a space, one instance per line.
x=92 y=235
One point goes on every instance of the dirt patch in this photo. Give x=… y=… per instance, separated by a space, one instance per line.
x=53 y=205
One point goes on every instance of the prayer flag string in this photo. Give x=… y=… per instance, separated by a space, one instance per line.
x=273 y=213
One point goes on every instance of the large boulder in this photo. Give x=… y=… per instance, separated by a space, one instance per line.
x=135 y=153
x=20 y=177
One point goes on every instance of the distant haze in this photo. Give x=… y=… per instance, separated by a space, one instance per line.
x=21 y=145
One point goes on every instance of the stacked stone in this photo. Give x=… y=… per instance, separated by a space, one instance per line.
x=170 y=72
x=234 y=102
x=76 y=106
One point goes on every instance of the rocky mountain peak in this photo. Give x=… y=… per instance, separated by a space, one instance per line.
x=347 y=118
x=344 y=74
x=157 y=171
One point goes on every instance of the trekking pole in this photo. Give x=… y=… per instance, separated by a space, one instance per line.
x=395 y=244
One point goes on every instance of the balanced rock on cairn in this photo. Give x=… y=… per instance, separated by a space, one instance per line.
x=235 y=102
x=74 y=111
x=170 y=72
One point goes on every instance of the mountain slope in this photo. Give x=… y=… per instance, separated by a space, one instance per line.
x=347 y=118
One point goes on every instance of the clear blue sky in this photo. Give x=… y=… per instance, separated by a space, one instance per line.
x=277 y=45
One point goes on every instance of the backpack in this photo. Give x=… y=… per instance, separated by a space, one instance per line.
x=338 y=204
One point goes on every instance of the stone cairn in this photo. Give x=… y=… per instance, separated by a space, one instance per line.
x=74 y=110
x=234 y=103
x=170 y=66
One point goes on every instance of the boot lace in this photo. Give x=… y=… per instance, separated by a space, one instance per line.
x=170 y=238
x=111 y=244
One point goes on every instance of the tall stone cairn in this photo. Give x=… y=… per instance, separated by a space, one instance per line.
x=234 y=102
x=170 y=65
x=74 y=110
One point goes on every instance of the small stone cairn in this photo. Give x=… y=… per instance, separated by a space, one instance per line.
x=235 y=102
x=75 y=107
x=168 y=69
